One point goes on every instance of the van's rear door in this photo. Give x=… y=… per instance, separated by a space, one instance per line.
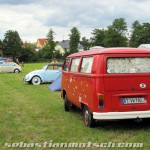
x=127 y=82
x=130 y=93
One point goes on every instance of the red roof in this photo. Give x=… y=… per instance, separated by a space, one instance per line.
x=42 y=41
x=118 y=50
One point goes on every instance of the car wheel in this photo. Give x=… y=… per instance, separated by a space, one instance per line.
x=16 y=71
x=66 y=103
x=88 y=117
x=29 y=82
x=36 y=80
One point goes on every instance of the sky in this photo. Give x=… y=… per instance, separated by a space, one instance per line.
x=32 y=19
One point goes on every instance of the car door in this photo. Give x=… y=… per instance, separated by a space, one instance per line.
x=50 y=75
x=6 y=67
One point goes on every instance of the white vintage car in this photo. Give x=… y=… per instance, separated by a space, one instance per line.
x=48 y=73
x=10 y=67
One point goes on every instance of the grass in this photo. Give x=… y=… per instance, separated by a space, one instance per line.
x=35 y=114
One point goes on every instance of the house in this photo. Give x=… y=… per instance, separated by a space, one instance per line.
x=41 y=42
x=64 y=44
x=61 y=46
x=60 y=49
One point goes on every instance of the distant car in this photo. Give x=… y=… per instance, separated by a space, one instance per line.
x=10 y=67
x=48 y=73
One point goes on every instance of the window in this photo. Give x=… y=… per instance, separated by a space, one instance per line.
x=75 y=64
x=128 y=65
x=86 y=66
x=66 y=65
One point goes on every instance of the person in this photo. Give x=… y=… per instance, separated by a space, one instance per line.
x=17 y=61
x=22 y=64
x=53 y=62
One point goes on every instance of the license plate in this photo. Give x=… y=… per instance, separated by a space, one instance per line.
x=135 y=100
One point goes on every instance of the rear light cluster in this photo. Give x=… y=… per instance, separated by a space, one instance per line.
x=101 y=101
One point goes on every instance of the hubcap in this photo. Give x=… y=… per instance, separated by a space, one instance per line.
x=36 y=80
x=86 y=117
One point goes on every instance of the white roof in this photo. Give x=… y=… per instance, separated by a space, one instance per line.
x=96 y=47
x=145 y=46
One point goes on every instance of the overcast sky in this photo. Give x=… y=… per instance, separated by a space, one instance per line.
x=33 y=18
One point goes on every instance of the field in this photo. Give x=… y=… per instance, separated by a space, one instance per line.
x=34 y=114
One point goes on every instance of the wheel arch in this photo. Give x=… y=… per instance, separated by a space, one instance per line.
x=36 y=76
x=64 y=93
x=16 y=69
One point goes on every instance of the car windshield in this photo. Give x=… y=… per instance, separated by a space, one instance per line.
x=128 y=65
x=44 y=67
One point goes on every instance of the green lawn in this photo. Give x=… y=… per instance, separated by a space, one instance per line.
x=35 y=114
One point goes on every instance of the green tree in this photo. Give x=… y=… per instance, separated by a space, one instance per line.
x=85 y=43
x=12 y=44
x=114 y=39
x=115 y=35
x=50 y=46
x=98 y=37
x=1 y=48
x=140 y=34
x=28 y=53
x=120 y=26
x=74 y=38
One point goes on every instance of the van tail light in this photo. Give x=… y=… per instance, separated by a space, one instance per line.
x=101 y=101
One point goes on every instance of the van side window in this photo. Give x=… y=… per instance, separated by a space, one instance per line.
x=66 y=65
x=86 y=66
x=75 y=64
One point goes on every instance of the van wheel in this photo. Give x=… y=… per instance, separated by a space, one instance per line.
x=66 y=103
x=88 y=117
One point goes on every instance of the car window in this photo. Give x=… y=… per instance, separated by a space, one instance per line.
x=12 y=64
x=44 y=67
x=128 y=65
x=66 y=65
x=86 y=66
x=75 y=64
x=52 y=67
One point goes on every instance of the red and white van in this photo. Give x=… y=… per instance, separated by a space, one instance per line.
x=108 y=83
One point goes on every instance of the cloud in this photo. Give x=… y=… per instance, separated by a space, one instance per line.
x=33 y=18
x=16 y=2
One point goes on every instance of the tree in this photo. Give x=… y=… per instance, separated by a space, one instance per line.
x=115 y=35
x=114 y=39
x=98 y=37
x=74 y=38
x=85 y=43
x=50 y=46
x=12 y=44
x=28 y=53
x=140 y=34
x=120 y=26
x=1 y=48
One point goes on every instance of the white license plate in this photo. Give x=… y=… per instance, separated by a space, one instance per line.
x=135 y=100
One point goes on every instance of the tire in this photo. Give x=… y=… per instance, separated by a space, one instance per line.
x=36 y=80
x=66 y=104
x=29 y=82
x=88 y=117
x=16 y=71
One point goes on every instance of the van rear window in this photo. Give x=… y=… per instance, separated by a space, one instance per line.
x=128 y=65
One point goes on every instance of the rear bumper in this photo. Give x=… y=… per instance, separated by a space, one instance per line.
x=121 y=115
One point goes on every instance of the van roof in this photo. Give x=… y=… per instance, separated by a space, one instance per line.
x=115 y=50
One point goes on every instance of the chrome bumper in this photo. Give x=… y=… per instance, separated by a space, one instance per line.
x=121 y=115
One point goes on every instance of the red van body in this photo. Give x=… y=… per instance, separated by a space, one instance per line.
x=108 y=83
